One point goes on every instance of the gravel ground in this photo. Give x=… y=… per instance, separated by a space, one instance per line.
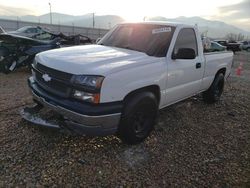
x=193 y=145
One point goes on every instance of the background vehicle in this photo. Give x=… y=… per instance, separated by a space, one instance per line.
x=216 y=47
x=232 y=46
x=245 y=45
x=119 y=85
x=39 y=33
x=1 y=30
x=27 y=31
x=17 y=51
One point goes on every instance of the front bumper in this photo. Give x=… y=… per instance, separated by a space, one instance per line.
x=99 y=122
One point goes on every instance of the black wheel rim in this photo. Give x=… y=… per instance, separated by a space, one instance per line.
x=218 y=90
x=142 y=123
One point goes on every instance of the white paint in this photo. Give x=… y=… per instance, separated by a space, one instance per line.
x=127 y=70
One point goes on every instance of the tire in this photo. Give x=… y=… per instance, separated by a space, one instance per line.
x=6 y=64
x=214 y=92
x=248 y=49
x=6 y=60
x=138 y=118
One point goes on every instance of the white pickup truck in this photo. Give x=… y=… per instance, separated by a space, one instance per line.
x=120 y=84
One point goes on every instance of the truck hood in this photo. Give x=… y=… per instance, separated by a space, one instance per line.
x=93 y=59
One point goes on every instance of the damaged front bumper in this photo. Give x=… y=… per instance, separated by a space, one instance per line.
x=94 y=120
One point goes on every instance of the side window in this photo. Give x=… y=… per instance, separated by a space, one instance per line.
x=43 y=36
x=30 y=30
x=27 y=31
x=223 y=43
x=34 y=30
x=186 y=39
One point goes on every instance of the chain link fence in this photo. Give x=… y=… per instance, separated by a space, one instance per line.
x=93 y=33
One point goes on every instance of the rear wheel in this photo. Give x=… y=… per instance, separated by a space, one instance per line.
x=138 y=118
x=213 y=94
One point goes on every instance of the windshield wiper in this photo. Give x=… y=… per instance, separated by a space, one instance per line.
x=130 y=48
x=127 y=47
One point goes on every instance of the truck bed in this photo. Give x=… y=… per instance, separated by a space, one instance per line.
x=214 y=62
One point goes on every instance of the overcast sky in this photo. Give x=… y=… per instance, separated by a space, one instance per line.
x=236 y=12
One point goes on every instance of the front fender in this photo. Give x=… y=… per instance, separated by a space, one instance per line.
x=117 y=86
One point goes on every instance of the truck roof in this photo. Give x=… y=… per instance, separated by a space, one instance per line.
x=174 y=24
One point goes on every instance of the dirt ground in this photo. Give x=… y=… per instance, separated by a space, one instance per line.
x=193 y=145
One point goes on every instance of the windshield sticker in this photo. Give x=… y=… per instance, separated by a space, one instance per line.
x=161 y=30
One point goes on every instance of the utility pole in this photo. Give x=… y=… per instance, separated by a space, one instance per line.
x=93 y=20
x=17 y=22
x=73 y=28
x=50 y=13
x=59 y=25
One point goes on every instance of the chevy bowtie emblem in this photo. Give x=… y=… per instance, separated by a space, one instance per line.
x=46 y=77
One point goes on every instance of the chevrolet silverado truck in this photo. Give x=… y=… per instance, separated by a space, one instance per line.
x=118 y=85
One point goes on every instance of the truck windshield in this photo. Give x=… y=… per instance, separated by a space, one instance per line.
x=151 y=39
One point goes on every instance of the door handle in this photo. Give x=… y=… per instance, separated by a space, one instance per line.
x=198 y=65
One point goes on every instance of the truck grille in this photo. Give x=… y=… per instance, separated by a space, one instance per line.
x=59 y=83
x=55 y=73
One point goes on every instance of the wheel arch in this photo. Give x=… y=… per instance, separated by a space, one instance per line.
x=222 y=70
x=155 y=89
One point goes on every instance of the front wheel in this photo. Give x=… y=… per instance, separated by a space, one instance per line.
x=138 y=118
x=4 y=59
x=8 y=64
x=214 y=92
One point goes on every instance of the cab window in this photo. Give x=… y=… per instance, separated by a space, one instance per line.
x=186 y=39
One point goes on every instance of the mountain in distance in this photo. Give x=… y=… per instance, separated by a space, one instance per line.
x=101 y=21
x=45 y=18
x=211 y=28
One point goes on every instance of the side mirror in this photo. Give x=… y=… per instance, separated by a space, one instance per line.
x=97 y=40
x=184 y=53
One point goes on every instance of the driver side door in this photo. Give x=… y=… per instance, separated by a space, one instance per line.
x=184 y=76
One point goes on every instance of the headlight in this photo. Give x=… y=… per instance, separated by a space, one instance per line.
x=87 y=88
x=87 y=97
x=33 y=73
x=34 y=62
x=90 y=82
